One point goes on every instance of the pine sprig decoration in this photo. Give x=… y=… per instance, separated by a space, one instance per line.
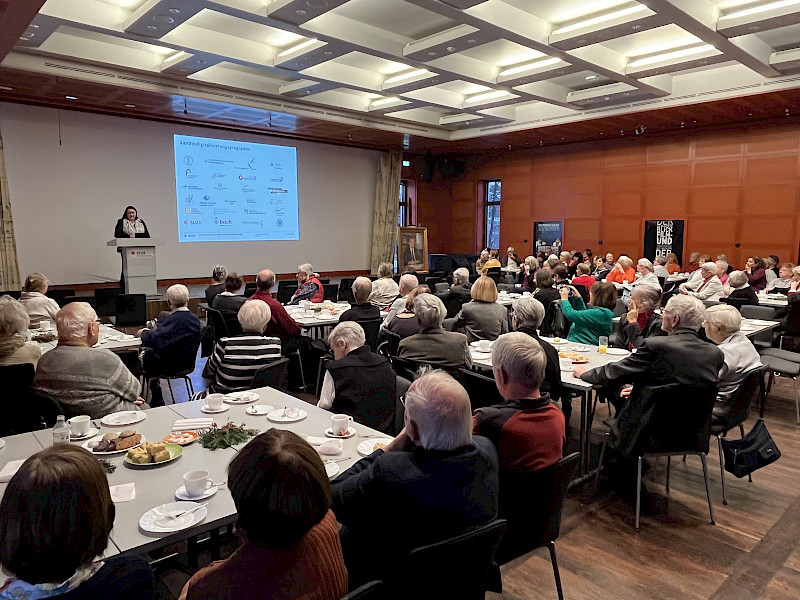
x=108 y=465
x=226 y=436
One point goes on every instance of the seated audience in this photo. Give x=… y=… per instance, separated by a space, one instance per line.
x=85 y=380
x=528 y=316
x=461 y=287
x=362 y=309
x=660 y=266
x=672 y=263
x=482 y=260
x=795 y=283
x=622 y=272
x=405 y=324
x=724 y=258
x=290 y=545
x=722 y=325
x=694 y=262
x=589 y=323
x=681 y=357
x=739 y=289
x=511 y=260
x=783 y=282
x=551 y=263
x=281 y=325
x=600 y=270
x=55 y=519
x=230 y=301
x=433 y=345
x=771 y=268
x=755 y=269
x=491 y=263
x=722 y=271
x=217 y=286
x=308 y=286
x=359 y=382
x=645 y=275
x=408 y=282
x=14 y=325
x=609 y=261
x=565 y=257
x=545 y=292
x=708 y=287
x=236 y=359
x=527 y=274
x=527 y=429
x=435 y=480
x=641 y=322
x=38 y=306
x=583 y=278
x=483 y=318
x=384 y=290
x=560 y=275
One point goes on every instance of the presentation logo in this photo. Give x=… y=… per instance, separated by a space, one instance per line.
x=188 y=160
x=247 y=178
x=218 y=175
x=206 y=197
x=279 y=222
x=189 y=199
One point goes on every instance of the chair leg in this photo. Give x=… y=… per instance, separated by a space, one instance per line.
x=189 y=386
x=638 y=492
x=708 y=491
x=796 y=400
x=600 y=463
x=169 y=385
x=721 y=470
x=668 y=464
x=552 y=547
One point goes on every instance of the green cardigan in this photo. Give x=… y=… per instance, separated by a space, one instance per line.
x=588 y=324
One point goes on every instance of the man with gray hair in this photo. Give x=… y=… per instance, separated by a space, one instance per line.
x=359 y=382
x=433 y=345
x=281 y=325
x=722 y=325
x=435 y=479
x=707 y=287
x=660 y=266
x=407 y=283
x=527 y=429
x=383 y=290
x=85 y=380
x=172 y=346
x=362 y=308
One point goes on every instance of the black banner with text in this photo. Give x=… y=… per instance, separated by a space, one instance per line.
x=663 y=237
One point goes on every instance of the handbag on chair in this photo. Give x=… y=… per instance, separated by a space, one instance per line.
x=755 y=450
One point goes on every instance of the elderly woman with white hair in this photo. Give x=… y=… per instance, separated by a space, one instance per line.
x=645 y=275
x=622 y=272
x=642 y=320
x=738 y=289
x=384 y=289
x=527 y=273
x=433 y=345
x=38 y=306
x=660 y=266
x=308 y=286
x=236 y=359
x=708 y=287
x=14 y=324
x=722 y=325
x=359 y=382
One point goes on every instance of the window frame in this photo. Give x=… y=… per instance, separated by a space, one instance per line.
x=487 y=206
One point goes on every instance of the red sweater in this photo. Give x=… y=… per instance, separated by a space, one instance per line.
x=281 y=325
x=586 y=281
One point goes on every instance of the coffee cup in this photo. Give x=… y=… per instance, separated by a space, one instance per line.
x=196 y=483
x=526 y=294
x=484 y=345
x=79 y=425
x=566 y=364
x=44 y=325
x=340 y=424
x=215 y=401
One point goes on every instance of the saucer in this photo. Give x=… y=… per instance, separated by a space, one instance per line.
x=205 y=408
x=350 y=432
x=259 y=410
x=181 y=494
x=154 y=521
x=93 y=431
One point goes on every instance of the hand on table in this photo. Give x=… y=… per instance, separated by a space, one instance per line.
x=138 y=334
x=578 y=371
x=138 y=401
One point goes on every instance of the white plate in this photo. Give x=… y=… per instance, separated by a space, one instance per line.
x=476 y=344
x=552 y=341
x=617 y=352
x=125 y=337
x=351 y=431
x=259 y=410
x=93 y=431
x=87 y=442
x=277 y=416
x=126 y=417
x=480 y=354
x=581 y=348
x=328 y=317
x=365 y=447
x=151 y=521
x=245 y=397
x=205 y=408
x=331 y=468
x=181 y=494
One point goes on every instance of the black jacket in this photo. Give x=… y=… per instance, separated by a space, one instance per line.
x=552 y=370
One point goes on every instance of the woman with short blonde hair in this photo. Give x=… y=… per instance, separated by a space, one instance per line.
x=483 y=318
x=38 y=306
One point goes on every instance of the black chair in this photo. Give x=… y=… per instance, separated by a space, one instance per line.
x=88 y=299
x=369 y=591
x=482 y=390
x=678 y=423
x=405 y=367
x=401 y=388
x=130 y=358
x=441 y=287
x=274 y=375
x=286 y=290
x=106 y=300
x=232 y=325
x=331 y=291
x=131 y=309
x=17 y=386
x=727 y=415
x=250 y=289
x=452 y=304
x=432 y=281
x=345 y=293
x=59 y=295
x=324 y=281
x=388 y=346
x=778 y=366
x=494 y=274
x=218 y=326
x=371 y=329
x=582 y=291
x=454 y=568
x=474 y=277
x=661 y=281
x=531 y=503
x=46 y=410
x=737 y=303
x=13 y=293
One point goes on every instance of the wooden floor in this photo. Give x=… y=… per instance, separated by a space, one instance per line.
x=753 y=551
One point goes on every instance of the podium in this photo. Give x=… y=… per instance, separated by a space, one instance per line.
x=138 y=264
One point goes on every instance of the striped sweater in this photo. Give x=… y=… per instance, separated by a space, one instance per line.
x=236 y=360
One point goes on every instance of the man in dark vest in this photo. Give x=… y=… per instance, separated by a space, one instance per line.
x=359 y=382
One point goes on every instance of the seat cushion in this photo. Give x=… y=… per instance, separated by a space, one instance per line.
x=784 y=367
x=782 y=354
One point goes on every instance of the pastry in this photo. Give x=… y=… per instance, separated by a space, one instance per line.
x=154 y=448
x=138 y=456
x=161 y=456
x=127 y=433
x=128 y=442
x=111 y=436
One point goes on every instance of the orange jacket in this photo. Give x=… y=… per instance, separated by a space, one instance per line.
x=616 y=277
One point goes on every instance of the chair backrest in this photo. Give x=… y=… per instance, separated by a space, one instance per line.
x=441 y=287
x=432 y=281
x=274 y=375
x=452 y=304
x=737 y=303
x=456 y=567
x=766 y=313
x=371 y=329
x=493 y=273
x=250 y=289
x=90 y=300
x=793 y=320
x=286 y=290
x=13 y=293
x=331 y=291
x=531 y=503
x=218 y=326
x=345 y=293
x=131 y=309
x=681 y=418
x=391 y=341
x=405 y=367
x=751 y=388
x=369 y=591
x=482 y=390
x=582 y=291
x=59 y=295
x=45 y=410
x=324 y=281
x=17 y=381
x=474 y=276
x=661 y=280
x=106 y=299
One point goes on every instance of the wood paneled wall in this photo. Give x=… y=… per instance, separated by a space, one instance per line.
x=737 y=192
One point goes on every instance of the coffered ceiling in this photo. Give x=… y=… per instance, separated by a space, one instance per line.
x=448 y=70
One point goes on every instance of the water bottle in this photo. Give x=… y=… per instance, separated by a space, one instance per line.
x=61 y=431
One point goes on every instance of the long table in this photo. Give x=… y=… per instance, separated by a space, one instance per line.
x=156 y=485
x=107 y=340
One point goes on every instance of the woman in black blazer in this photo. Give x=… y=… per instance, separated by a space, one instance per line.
x=129 y=226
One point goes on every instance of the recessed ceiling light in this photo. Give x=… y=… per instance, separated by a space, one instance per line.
x=71 y=97
x=130 y=106
x=27 y=35
x=299 y=46
x=763 y=8
x=527 y=67
x=601 y=19
x=471 y=41
x=451 y=48
x=300 y=12
x=590 y=77
x=163 y=19
x=33 y=26
x=152 y=27
x=493 y=95
x=404 y=76
x=175 y=11
x=8 y=89
x=431 y=53
x=317 y=3
x=383 y=101
x=665 y=56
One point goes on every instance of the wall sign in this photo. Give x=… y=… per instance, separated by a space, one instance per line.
x=547 y=236
x=663 y=237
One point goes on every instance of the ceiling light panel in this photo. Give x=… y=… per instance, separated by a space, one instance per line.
x=599 y=27
x=762 y=17
x=231 y=75
x=786 y=61
x=38 y=31
x=503 y=53
x=673 y=60
x=298 y=12
x=662 y=39
x=90 y=12
x=155 y=20
x=784 y=38
x=448 y=42
x=397 y=18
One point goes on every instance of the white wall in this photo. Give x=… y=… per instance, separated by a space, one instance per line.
x=66 y=198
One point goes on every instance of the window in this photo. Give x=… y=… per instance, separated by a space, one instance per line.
x=492 y=237
x=403 y=215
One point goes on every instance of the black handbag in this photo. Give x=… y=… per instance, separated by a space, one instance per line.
x=755 y=450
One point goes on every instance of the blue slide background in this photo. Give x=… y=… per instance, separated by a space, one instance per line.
x=229 y=191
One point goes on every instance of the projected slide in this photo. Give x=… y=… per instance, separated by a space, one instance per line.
x=230 y=191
